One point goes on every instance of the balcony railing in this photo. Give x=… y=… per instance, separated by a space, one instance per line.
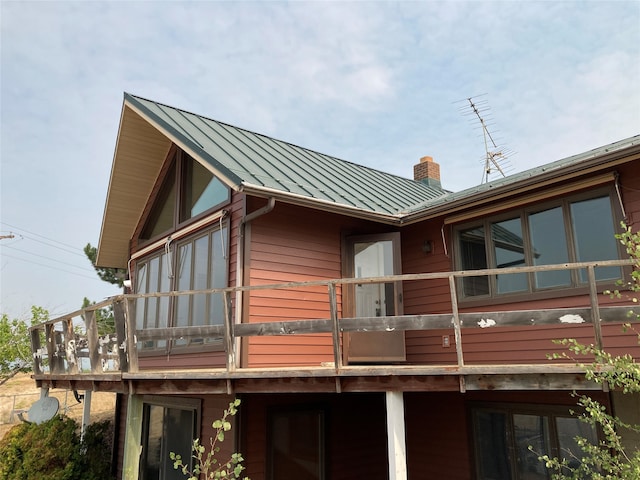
x=83 y=345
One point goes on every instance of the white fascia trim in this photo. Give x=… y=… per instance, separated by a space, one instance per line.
x=196 y=155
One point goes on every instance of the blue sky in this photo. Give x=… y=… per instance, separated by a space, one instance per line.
x=376 y=83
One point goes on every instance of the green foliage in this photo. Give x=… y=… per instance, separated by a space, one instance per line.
x=31 y=451
x=111 y=275
x=53 y=451
x=15 y=343
x=609 y=459
x=206 y=463
x=631 y=242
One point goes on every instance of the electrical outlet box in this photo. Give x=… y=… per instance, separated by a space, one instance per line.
x=445 y=341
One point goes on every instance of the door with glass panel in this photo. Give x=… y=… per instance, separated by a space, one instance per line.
x=375 y=256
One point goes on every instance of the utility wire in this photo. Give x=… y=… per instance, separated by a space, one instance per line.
x=49 y=266
x=74 y=248
x=53 y=246
x=48 y=258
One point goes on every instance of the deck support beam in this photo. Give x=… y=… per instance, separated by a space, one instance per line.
x=396 y=441
x=86 y=413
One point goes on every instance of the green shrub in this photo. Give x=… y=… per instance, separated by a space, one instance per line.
x=53 y=451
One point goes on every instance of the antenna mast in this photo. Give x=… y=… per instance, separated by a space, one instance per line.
x=494 y=154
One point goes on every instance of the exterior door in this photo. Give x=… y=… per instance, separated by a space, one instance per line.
x=375 y=256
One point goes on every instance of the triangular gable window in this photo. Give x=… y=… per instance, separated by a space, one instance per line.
x=161 y=218
x=188 y=188
x=202 y=190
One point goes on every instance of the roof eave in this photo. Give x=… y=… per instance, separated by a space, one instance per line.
x=490 y=194
x=320 y=204
x=195 y=151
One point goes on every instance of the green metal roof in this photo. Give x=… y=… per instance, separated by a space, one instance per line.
x=574 y=162
x=253 y=162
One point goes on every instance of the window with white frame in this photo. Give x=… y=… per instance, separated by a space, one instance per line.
x=576 y=229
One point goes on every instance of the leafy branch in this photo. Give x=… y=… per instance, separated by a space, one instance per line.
x=206 y=463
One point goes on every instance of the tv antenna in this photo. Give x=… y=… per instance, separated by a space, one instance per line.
x=496 y=156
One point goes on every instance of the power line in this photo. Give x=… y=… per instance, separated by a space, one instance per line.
x=76 y=249
x=54 y=246
x=49 y=266
x=48 y=258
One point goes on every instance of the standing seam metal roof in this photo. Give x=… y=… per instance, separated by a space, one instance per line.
x=532 y=173
x=252 y=159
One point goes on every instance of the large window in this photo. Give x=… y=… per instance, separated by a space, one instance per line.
x=296 y=445
x=508 y=440
x=580 y=229
x=199 y=262
x=167 y=426
x=187 y=191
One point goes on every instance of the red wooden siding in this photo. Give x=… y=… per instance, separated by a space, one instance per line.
x=212 y=409
x=498 y=345
x=630 y=191
x=437 y=437
x=293 y=244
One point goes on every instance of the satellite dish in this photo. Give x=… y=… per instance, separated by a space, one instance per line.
x=43 y=410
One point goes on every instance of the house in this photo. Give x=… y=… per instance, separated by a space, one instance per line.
x=373 y=326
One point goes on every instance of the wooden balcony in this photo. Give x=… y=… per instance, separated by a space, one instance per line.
x=75 y=352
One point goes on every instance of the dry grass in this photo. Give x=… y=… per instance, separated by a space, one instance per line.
x=21 y=392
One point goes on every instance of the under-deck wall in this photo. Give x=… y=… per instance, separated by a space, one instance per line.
x=121 y=428
x=211 y=408
x=355 y=433
x=438 y=432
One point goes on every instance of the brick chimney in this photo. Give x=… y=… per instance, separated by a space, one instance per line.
x=427 y=171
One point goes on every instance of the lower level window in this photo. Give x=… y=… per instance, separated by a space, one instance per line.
x=502 y=437
x=296 y=445
x=167 y=426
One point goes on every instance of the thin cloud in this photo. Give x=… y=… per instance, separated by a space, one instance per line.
x=370 y=82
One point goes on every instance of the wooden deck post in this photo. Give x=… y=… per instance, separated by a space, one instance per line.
x=132 y=348
x=333 y=306
x=229 y=337
x=396 y=442
x=70 y=347
x=595 y=308
x=50 y=338
x=119 y=317
x=456 y=320
x=92 y=340
x=36 y=352
x=86 y=413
